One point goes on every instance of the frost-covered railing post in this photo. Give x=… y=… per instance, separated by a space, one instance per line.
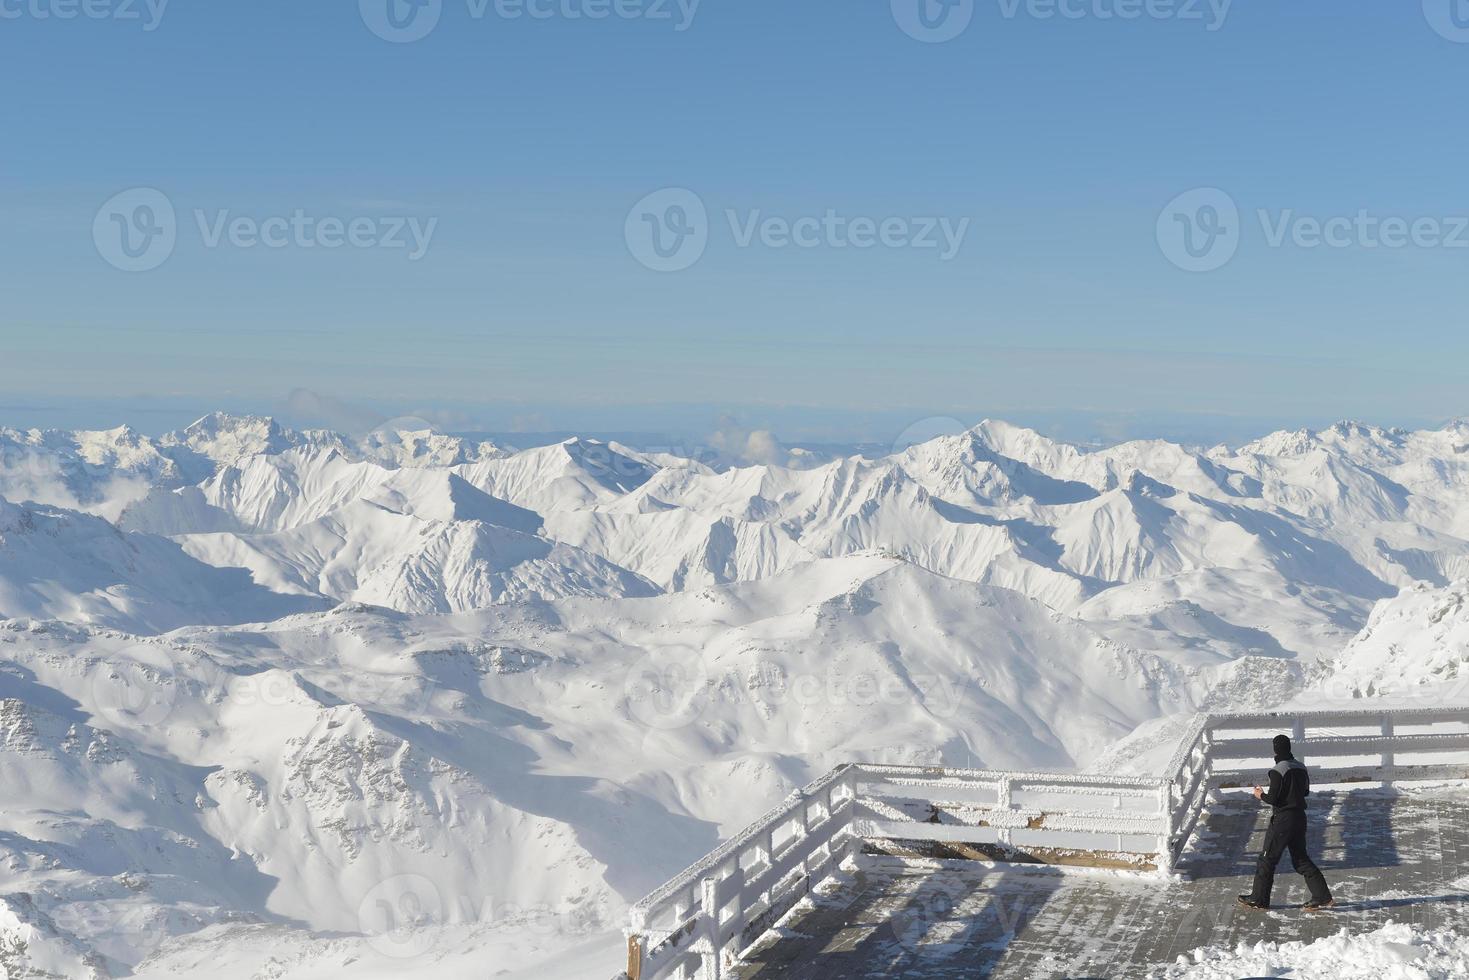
x=1005 y=801
x=1186 y=786
x=1387 y=731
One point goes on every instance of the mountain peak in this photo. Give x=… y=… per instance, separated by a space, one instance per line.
x=218 y=422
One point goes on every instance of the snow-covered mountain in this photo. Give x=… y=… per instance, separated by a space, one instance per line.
x=290 y=704
x=103 y=471
x=1303 y=521
x=1415 y=644
x=65 y=565
x=369 y=552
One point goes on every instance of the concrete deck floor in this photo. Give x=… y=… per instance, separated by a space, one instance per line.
x=1402 y=858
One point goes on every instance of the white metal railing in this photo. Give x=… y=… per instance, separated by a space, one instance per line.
x=690 y=926
x=1384 y=746
x=694 y=925
x=1056 y=819
x=699 y=922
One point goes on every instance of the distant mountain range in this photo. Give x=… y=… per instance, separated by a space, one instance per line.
x=254 y=680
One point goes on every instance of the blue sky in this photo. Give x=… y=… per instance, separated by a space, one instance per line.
x=524 y=143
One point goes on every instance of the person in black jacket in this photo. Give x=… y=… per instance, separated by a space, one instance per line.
x=1290 y=784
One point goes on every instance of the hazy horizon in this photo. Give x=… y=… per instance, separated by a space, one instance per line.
x=685 y=427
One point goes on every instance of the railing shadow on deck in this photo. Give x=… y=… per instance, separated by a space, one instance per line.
x=702 y=922
x=919 y=926
x=1346 y=831
x=1366 y=824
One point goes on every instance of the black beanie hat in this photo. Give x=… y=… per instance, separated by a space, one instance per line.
x=1281 y=745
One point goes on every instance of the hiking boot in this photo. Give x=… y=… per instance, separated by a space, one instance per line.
x=1248 y=901
x=1315 y=906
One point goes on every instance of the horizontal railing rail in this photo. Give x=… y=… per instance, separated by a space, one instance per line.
x=1385 y=746
x=698 y=923
x=1116 y=821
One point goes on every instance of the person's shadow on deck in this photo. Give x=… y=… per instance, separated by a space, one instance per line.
x=1383 y=904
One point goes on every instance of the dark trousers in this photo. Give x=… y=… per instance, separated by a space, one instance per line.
x=1287 y=832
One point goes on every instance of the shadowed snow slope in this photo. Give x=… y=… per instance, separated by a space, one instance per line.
x=60 y=564
x=369 y=553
